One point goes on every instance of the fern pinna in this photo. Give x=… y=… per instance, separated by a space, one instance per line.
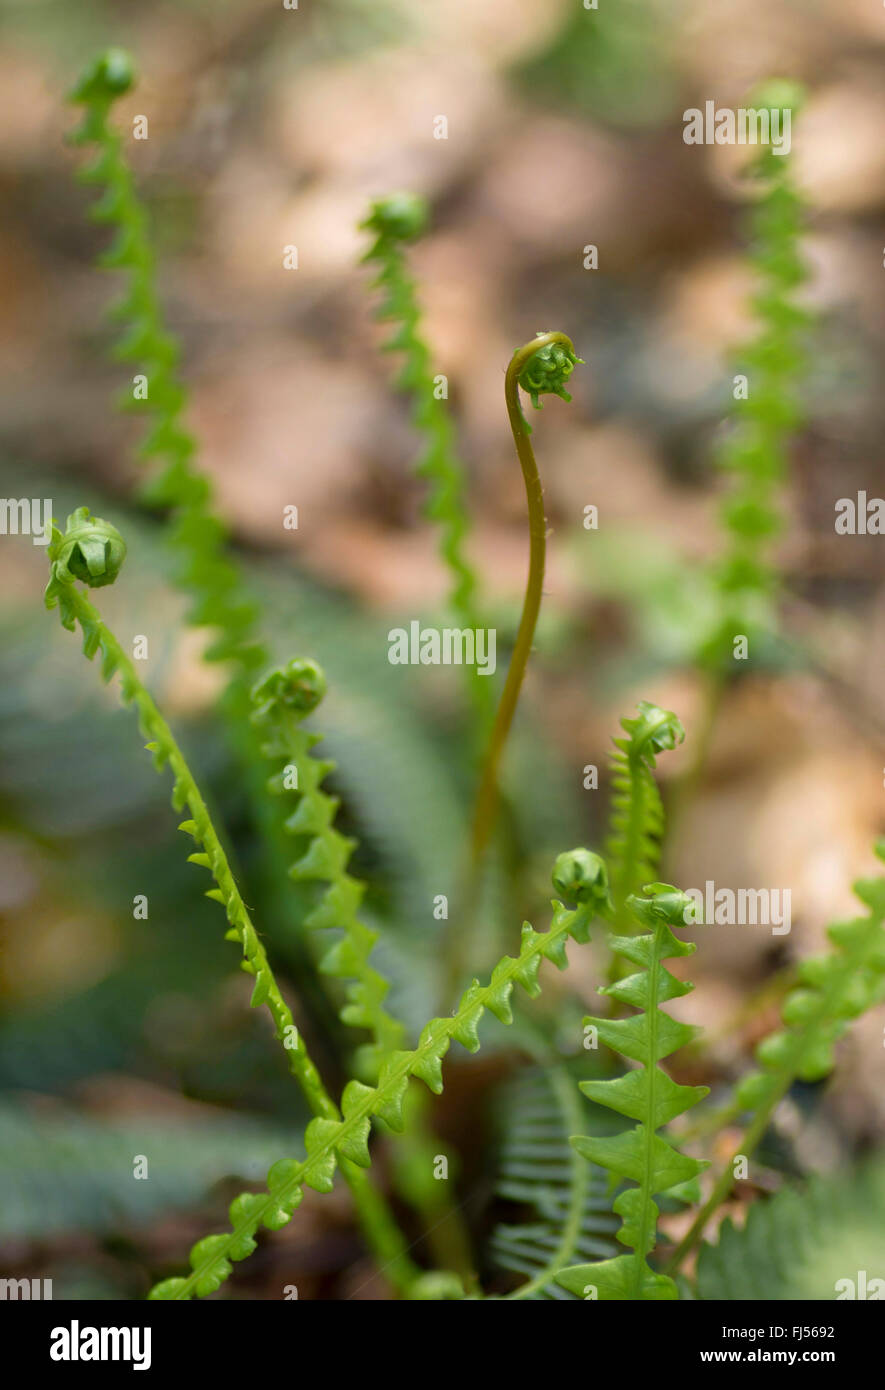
x=206 y=572
x=636 y=820
x=282 y=700
x=647 y=1095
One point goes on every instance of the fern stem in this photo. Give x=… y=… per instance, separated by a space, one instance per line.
x=487 y=792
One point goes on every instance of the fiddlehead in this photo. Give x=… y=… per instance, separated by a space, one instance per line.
x=92 y=550
x=393 y=222
x=648 y=1095
x=582 y=877
x=281 y=701
x=833 y=989
x=206 y=572
x=636 y=819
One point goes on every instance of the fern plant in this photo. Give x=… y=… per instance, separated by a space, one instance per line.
x=576 y=1186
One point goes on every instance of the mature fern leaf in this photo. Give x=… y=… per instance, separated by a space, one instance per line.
x=539 y=1169
x=826 y=1242
x=578 y=875
x=648 y=1095
x=636 y=822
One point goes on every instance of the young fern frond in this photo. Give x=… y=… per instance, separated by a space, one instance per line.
x=92 y=551
x=833 y=989
x=755 y=451
x=578 y=876
x=393 y=222
x=542 y=366
x=212 y=580
x=647 y=1095
x=282 y=700
x=636 y=818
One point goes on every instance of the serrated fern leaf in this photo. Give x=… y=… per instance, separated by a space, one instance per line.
x=75 y=608
x=648 y=1095
x=282 y=700
x=539 y=1169
x=636 y=820
x=754 y=451
x=326 y=1142
x=392 y=222
x=834 y=988
x=212 y=580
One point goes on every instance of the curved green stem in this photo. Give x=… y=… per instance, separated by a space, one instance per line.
x=487 y=794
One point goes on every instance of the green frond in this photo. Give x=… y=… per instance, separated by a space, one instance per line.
x=648 y=1095
x=636 y=818
x=75 y=608
x=327 y=1141
x=834 y=988
x=568 y=1197
x=392 y=221
x=281 y=701
x=754 y=451
x=212 y=580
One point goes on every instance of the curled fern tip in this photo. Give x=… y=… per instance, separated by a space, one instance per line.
x=547 y=372
x=91 y=550
x=112 y=74
x=300 y=686
x=580 y=876
x=399 y=216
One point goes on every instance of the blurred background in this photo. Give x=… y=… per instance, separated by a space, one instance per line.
x=270 y=127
